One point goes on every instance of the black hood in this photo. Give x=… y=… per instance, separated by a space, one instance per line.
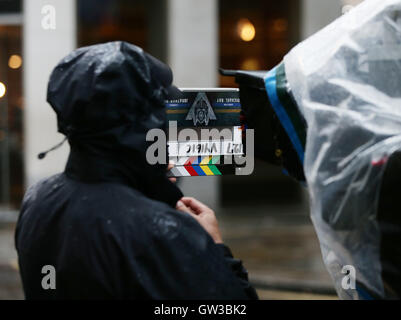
x=107 y=97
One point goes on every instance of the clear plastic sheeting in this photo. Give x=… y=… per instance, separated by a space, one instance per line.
x=346 y=80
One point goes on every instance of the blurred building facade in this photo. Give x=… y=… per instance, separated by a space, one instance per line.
x=194 y=37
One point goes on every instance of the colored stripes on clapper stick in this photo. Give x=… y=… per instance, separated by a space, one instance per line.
x=196 y=166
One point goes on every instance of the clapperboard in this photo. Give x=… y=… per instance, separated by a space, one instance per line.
x=197 y=109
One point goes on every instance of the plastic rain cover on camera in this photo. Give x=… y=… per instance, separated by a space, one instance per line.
x=346 y=80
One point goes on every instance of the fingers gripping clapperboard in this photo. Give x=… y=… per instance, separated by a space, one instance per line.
x=197 y=109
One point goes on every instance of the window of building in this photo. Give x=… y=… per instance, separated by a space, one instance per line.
x=11 y=105
x=110 y=20
x=256 y=35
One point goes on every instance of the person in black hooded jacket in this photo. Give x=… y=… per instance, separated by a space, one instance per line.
x=108 y=224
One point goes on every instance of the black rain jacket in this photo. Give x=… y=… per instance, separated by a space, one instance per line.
x=108 y=224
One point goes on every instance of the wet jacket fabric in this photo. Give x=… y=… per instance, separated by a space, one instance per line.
x=109 y=241
x=107 y=224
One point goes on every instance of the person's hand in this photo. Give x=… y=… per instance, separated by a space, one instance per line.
x=169 y=167
x=203 y=214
